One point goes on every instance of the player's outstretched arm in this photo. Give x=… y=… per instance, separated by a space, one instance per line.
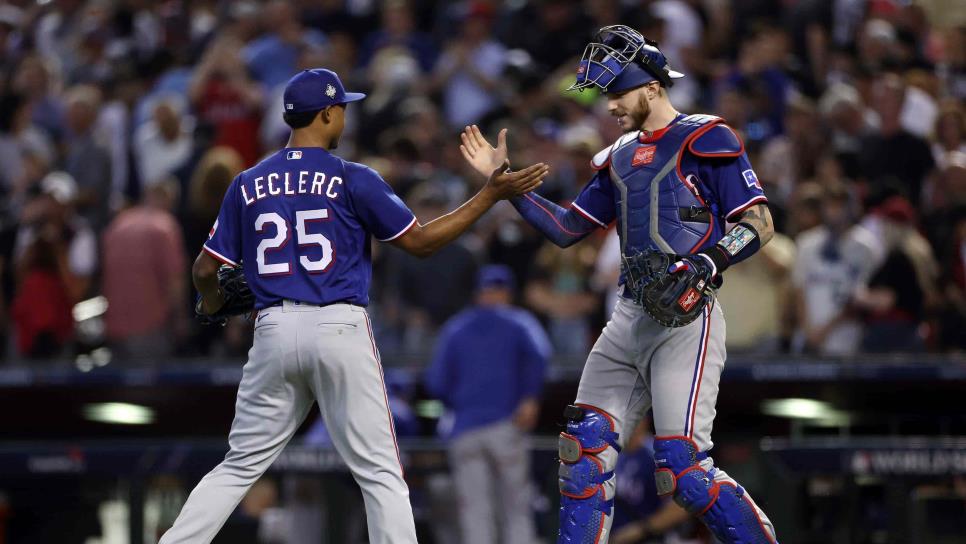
x=564 y=227
x=424 y=240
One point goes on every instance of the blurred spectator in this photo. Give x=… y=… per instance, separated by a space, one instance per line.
x=892 y=150
x=398 y=30
x=680 y=39
x=469 y=69
x=272 y=58
x=206 y=190
x=755 y=298
x=639 y=514
x=790 y=158
x=393 y=73
x=492 y=390
x=559 y=289
x=950 y=133
x=18 y=138
x=224 y=97
x=34 y=80
x=903 y=288
x=145 y=278
x=431 y=289
x=55 y=260
x=163 y=144
x=835 y=261
x=87 y=159
x=759 y=76
x=844 y=114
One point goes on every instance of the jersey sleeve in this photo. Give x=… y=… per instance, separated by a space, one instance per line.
x=224 y=239
x=735 y=184
x=596 y=201
x=380 y=210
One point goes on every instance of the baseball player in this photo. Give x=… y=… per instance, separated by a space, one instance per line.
x=687 y=204
x=301 y=222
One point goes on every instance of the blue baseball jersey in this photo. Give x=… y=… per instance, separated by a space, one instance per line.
x=301 y=222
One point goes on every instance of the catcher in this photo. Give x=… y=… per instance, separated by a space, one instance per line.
x=688 y=205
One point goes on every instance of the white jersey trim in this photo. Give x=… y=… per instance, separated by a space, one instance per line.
x=218 y=256
x=755 y=200
x=400 y=233
x=587 y=215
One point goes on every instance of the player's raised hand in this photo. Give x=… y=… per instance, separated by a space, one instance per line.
x=478 y=152
x=506 y=184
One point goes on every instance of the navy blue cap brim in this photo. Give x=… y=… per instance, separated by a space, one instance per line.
x=353 y=97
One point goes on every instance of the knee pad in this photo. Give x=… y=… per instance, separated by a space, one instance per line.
x=722 y=506
x=588 y=454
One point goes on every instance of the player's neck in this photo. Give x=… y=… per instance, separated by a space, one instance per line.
x=305 y=138
x=662 y=115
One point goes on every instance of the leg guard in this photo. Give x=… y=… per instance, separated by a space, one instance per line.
x=588 y=454
x=722 y=506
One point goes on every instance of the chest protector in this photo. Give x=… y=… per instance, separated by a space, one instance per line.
x=659 y=206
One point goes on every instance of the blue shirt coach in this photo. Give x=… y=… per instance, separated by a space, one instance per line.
x=489 y=358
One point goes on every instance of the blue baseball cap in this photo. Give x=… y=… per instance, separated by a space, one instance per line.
x=495 y=276
x=313 y=90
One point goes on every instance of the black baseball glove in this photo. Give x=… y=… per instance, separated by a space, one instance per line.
x=238 y=297
x=672 y=290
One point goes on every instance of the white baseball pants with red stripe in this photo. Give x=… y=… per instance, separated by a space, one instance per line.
x=638 y=364
x=302 y=354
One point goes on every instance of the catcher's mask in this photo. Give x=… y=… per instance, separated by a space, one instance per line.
x=619 y=59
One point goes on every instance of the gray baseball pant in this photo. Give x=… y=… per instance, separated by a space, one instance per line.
x=491 y=473
x=638 y=364
x=302 y=354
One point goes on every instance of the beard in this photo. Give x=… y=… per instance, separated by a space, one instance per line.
x=638 y=115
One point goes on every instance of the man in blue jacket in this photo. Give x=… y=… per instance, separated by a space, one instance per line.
x=488 y=370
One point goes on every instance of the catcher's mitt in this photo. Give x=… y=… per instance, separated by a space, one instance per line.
x=238 y=297
x=672 y=290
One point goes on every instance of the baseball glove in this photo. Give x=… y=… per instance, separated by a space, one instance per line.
x=672 y=290
x=238 y=297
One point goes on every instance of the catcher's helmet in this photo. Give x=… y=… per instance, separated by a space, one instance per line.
x=619 y=58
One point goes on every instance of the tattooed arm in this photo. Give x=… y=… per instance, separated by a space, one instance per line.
x=760 y=219
x=754 y=229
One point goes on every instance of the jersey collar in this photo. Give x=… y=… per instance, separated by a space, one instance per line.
x=646 y=137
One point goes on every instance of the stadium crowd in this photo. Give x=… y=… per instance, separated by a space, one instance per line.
x=122 y=122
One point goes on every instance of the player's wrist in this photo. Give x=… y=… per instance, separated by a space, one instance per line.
x=717 y=258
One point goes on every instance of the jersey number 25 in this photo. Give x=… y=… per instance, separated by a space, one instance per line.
x=282 y=237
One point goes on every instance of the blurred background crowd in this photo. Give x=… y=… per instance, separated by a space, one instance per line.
x=122 y=122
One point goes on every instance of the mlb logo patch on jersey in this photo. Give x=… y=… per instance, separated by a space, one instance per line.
x=751 y=180
x=643 y=155
x=293 y=155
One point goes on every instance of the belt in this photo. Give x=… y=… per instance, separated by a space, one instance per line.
x=311 y=304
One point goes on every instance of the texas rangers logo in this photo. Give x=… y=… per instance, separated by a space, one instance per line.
x=330 y=90
x=689 y=299
x=751 y=180
x=643 y=155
